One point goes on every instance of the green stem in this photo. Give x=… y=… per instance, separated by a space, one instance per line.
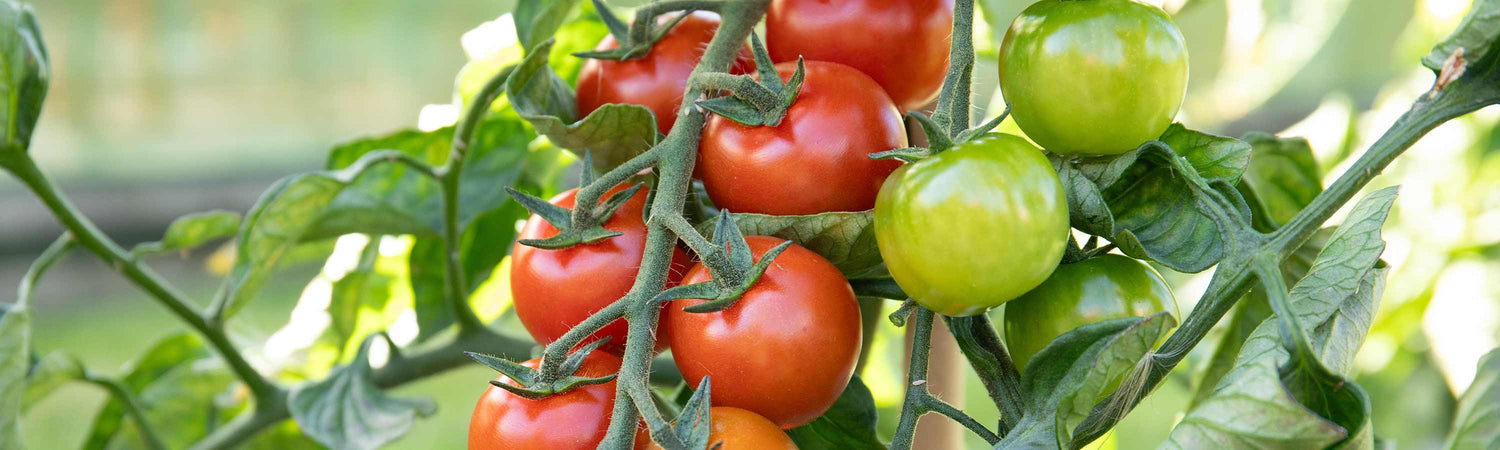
x=953 y=103
x=132 y=407
x=92 y=238
x=987 y=355
x=678 y=153
x=914 y=405
x=936 y=405
x=455 y=288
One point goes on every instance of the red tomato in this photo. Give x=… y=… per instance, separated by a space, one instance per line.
x=577 y=419
x=902 y=44
x=554 y=290
x=817 y=159
x=657 y=80
x=785 y=350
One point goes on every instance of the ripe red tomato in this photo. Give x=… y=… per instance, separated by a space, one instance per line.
x=554 y=290
x=785 y=350
x=657 y=80
x=902 y=44
x=817 y=159
x=577 y=419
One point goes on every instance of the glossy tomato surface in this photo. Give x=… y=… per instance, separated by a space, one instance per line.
x=577 y=419
x=817 y=159
x=1093 y=77
x=902 y=44
x=785 y=350
x=973 y=227
x=1090 y=291
x=553 y=290
x=657 y=80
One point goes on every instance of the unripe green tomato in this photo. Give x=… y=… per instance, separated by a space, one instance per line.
x=1090 y=291
x=1093 y=77
x=973 y=227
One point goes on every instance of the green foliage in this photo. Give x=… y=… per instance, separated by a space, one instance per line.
x=347 y=411
x=49 y=373
x=1147 y=200
x=23 y=62
x=191 y=231
x=155 y=367
x=1476 y=35
x=613 y=133
x=15 y=354
x=848 y=424
x=1282 y=178
x=846 y=239
x=1478 y=422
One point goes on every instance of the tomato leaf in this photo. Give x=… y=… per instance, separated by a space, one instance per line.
x=536 y=21
x=363 y=192
x=1149 y=201
x=23 y=58
x=15 y=354
x=1476 y=35
x=191 y=231
x=848 y=424
x=614 y=133
x=346 y=410
x=846 y=239
x=1276 y=397
x=160 y=360
x=1064 y=380
x=49 y=373
x=1282 y=178
x=1477 y=421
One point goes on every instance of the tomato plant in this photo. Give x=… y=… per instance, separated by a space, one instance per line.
x=859 y=33
x=573 y=420
x=1093 y=77
x=1000 y=205
x=554 y=290
x=1104 y=287
x=766 y=331
x=656 y=80
x=784 y=350
x=839 y=118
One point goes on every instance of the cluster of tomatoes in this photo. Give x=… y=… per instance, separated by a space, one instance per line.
x=963 y=231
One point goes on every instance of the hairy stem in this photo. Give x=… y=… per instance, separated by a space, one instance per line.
x=455 y=288
x=915 y=405
x=953 y=103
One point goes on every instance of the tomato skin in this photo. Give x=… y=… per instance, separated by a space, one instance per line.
x=863 y=34
x=1094 y=77
x=817 y=159
x=657 y=80
x=785 y=350
x=553 y=290
x=1090 y=291
x=973 y=227
x=577 y=419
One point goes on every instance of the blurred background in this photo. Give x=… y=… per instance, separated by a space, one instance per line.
x=164 y=107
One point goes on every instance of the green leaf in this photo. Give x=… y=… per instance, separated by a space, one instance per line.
x=156 y=364
x=23 y=58
x=537 y=21
x=1273 y=398
x=1282 y=177
x=1149 y=201
x=1476 y=35
x=846 y=239
x=848 y=424
x=364 y=192
x=49 y=373
x=360 y=288
x=614 y=133
x=347 y=411
x=191 y=231
x=1477 y=422
x=15 y=354
x=185 y=403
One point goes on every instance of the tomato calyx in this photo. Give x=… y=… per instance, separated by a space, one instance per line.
x=578 y=225
x=693 y=427
x=635 y=40
x=938 y=140
x=753 y=101
x=733 y=273
x=551 y=379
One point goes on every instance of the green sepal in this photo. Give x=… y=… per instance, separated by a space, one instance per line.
x=575 y=227
x=908 y=154
x=763 y=102
x=983 y=128
x=532 y=384
x=633 y=43
x=727 y=235
x=690 y=431
x=728 y=295
x=937 y=139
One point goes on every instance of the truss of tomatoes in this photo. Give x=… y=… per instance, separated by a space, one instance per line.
x=979 y=225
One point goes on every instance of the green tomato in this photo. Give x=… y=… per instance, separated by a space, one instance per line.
x=973 y=227
x=1093 y=77
x=1090 y=291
